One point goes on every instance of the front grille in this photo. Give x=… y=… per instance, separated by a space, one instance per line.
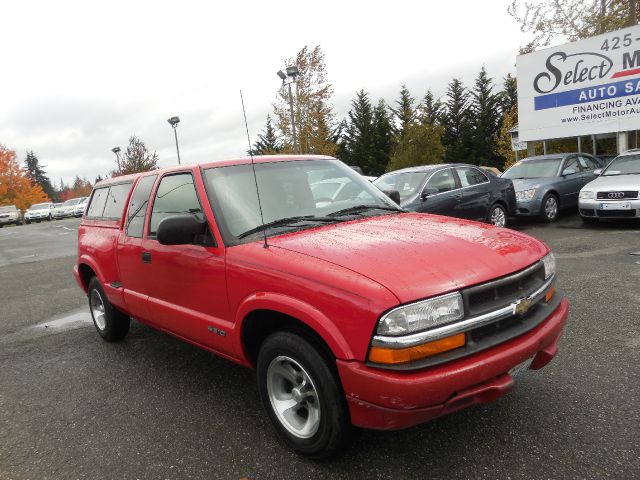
x=502 y=292
x=617 y=213
x=617 y=195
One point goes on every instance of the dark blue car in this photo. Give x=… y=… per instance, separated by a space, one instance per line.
x=456 y=190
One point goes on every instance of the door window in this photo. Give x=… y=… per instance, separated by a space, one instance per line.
x=176 y=195
x=471 y=176
x=138 y=206
x=116 y=199
x=441 y=181
x=572 y=163
x=587 y=164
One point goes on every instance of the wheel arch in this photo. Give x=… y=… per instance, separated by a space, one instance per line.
x=263 y=314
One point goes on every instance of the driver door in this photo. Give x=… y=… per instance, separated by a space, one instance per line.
x=441 y=194
x=571 y=183
x=185 y=283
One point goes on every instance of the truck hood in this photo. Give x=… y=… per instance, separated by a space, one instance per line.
x=416 y=255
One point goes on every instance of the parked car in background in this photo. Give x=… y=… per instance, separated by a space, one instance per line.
x=492 y=170
x=352 y=313
x=68 y=207
x=614 y=194
x=10 y=214
x=38 y=212
x=456 y=190
x=80 y=207
x=56 y=211
x=546 y=184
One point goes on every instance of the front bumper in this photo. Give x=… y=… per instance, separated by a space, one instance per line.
x=392 y=400
x=40 y=216
x=592 y=208
x=8 y=220
x=527 y=208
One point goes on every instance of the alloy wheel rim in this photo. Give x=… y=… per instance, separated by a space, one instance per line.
x=97 y=309
x=551 y=207
x=293 y=397
x=498 y=217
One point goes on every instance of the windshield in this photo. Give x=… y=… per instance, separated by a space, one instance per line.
x=39 y=206
x=406 y=183
x=627 y=165
x=73 y=201
x=543 y=168
x=10 y=208
x=289 y=191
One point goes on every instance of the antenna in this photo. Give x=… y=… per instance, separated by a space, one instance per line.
x=253 y=166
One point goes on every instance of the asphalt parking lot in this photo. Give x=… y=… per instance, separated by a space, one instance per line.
x=73 y=406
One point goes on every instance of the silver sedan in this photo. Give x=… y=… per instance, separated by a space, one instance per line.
x=614 y=194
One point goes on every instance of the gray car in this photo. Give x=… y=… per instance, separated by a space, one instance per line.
x=10 y=214
x=614 y=194
x=546 y=184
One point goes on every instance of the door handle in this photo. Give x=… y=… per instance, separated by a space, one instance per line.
x=146 y=257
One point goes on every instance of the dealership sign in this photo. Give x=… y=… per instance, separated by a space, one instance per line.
x=587 y=87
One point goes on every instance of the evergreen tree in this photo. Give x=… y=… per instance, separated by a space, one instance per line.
x=457 y=129
x=382 y=139
x=404 y=114
x=37 y=175
x=485 y=122
x=339 y=137
x=420 y=145
x=358 y=136
x=267 y=143
x=509 y=94
x=430 y=110
x=136 y=159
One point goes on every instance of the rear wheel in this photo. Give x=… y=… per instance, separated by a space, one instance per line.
x=550 y=208
x=302 y=396
x=497 y=215
x=111 y=323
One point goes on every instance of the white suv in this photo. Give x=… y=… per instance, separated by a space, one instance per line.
x=38 y=212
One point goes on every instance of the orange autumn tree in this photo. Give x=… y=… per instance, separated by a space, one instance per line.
x=15 y=188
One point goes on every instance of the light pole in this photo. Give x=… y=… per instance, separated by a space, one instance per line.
x=174 y=121
x=292 y=73
x=116 y=150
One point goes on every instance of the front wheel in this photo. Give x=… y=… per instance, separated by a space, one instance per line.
x=497 y=215
x=550 y=208
x=302 y=396
x=111 y=323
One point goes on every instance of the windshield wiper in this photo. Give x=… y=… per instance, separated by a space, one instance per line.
x=362 y=208
x=286 y=222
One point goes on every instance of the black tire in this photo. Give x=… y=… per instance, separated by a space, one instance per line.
x=113 y=325
x=27 y=222
x=549 y=215
x=49 y=218
x=496 y=212
x=333 y=430
x=590 y=220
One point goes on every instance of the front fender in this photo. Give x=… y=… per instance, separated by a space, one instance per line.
x=302 y=311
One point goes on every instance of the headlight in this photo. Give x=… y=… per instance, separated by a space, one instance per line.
x=549 y=262
x=586 y=194
x=526 y=194
x=422 y=315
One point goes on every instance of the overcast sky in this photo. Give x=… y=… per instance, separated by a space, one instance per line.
x=80 y=77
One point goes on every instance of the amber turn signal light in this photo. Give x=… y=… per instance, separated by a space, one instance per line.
x=549 y=294
x=391 y=356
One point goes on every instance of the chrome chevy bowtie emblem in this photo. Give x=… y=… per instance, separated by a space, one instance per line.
x=522 y=306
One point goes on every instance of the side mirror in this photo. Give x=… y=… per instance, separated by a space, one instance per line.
x=181 y=229
x=597 y=171
x=393 y=195
x=428 y=191
x=568 y=171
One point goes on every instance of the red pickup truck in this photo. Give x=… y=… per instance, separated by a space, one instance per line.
x=351 y=310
